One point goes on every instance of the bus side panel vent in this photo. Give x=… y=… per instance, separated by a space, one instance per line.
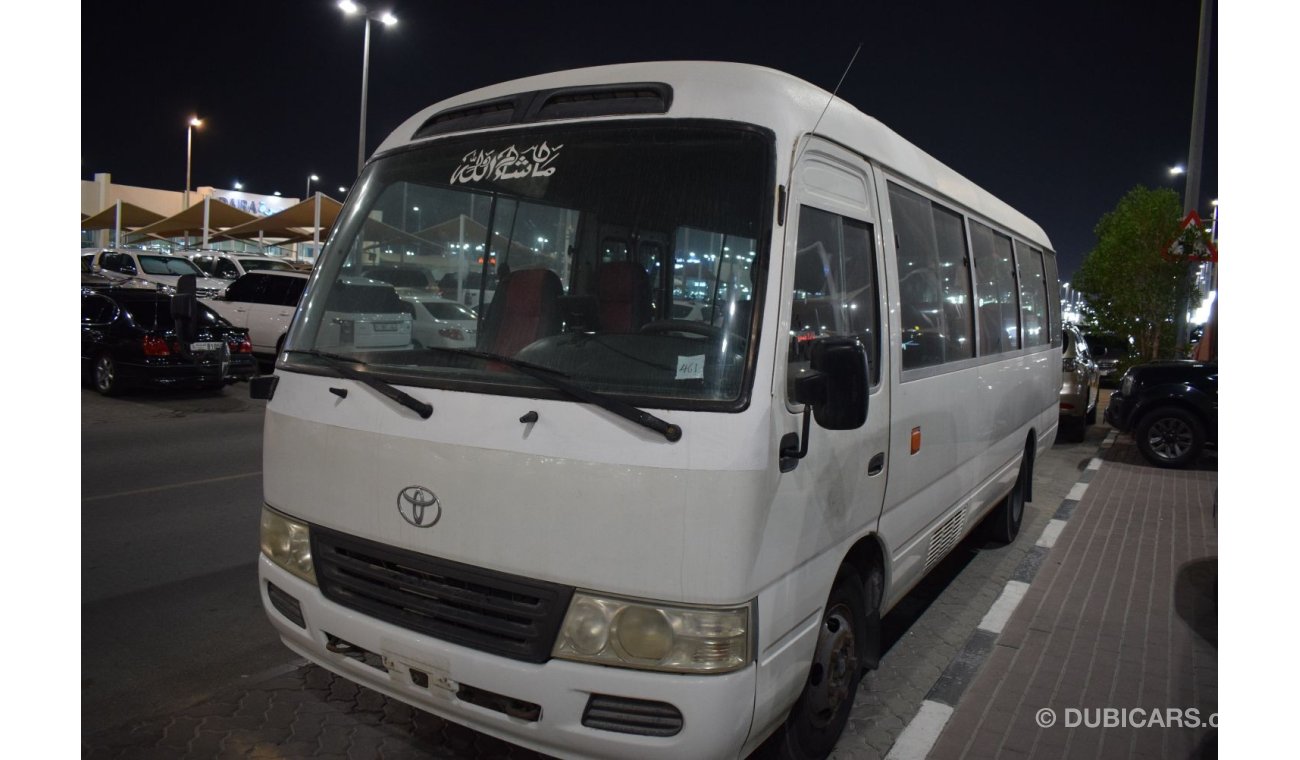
x=945 y=537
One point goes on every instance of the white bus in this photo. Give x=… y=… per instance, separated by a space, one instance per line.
x=605 y=530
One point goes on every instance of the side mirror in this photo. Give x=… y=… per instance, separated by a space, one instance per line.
x=838 y=384
x=834 y=390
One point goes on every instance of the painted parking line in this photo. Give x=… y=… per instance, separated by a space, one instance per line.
x=169 y=487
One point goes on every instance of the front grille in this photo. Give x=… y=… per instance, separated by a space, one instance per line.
x=482 y=609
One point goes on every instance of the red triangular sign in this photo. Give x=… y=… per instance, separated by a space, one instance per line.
x=1192 y=243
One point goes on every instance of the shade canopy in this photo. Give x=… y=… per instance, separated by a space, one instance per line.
x=219 y=216
x=289 y=223
x=132 y=216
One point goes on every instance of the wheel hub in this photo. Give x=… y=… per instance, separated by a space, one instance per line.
x=1169 y=438
x=834 y=666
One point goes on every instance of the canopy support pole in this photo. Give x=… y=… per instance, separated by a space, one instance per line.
x=207 y=199
x=117 y=225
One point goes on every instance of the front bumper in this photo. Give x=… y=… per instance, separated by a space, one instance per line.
x=1116 y=415
x=440 y=677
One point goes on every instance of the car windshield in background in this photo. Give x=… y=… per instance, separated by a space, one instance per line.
x=577 y=247
x=1107 y=346
x=169 y=265
x=271 y=264
x=156 y=314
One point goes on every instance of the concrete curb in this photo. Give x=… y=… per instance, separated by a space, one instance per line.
x=923 y=730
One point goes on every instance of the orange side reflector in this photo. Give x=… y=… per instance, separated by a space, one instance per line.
x=916 y=439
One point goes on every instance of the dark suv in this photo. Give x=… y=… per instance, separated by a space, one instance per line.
x=1171 y=408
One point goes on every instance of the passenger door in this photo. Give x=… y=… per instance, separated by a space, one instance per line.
x=831 y=286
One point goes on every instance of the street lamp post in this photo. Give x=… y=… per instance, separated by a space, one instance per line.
x=189 y=152
x=310 y=179
x=387 y=19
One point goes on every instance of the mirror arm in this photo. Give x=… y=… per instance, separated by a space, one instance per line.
x=794 y=450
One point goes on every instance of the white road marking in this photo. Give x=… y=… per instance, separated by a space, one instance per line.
x=1051 y=532
x=186 y=484
x=1077 y=491
x=919 y=737
x=998 y=615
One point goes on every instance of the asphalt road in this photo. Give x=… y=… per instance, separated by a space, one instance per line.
x=172 y=625
x=171 y=498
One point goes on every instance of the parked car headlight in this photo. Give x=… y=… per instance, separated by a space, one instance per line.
x=651 y=636
x=287 y=543
x=1126 y=385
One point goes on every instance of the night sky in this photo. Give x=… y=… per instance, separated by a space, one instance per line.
x=1058 y=109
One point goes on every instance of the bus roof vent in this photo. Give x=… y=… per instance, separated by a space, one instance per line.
x=487 y=113
x=544 y=105
x=601 y=100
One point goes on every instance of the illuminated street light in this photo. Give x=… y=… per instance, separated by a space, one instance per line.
x=239 y=185
x=310 y=179
x=189 y=152
x=343 y=190
x=387 y=19
x=1174 y=171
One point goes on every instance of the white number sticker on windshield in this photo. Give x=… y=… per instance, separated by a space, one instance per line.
x=690 y=367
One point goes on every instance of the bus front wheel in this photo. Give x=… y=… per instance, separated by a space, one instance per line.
x=819 y=715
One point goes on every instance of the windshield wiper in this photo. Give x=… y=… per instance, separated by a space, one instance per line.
x=341 y=364
x=559 y=380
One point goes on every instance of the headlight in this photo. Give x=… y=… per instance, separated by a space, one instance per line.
x=652 y=636
x=287 y=543
x=1126 y=385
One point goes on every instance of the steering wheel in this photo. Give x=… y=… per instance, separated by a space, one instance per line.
x=690 y=327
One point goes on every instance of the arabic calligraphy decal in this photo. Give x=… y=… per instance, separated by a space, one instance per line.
x=507 y=163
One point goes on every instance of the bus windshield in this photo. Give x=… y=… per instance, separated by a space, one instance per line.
x=627 y=257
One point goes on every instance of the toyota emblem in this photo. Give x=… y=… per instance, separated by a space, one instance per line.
x=419 y=506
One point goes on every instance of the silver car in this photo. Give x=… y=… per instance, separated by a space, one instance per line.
x=1080 y=385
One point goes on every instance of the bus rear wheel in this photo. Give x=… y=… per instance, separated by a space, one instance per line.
x=1004 y=521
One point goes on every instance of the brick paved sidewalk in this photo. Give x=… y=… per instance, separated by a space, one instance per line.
x=1121 y=615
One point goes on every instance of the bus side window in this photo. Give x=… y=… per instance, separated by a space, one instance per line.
x=933 y=281
x=998 y=294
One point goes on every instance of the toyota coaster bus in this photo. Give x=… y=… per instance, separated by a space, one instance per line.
x=753 y=364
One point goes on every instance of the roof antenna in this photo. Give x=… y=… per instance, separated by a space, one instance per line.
x=837 y=86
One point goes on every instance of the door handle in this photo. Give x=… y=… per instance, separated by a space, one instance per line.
x=876 y=464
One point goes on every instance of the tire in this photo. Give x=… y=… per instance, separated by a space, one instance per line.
x=1170 y=437
x=1003 y=523
x=1074 y=429
x=104 y=376
x=839 y=658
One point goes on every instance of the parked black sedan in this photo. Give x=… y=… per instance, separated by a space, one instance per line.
x=129 y=338
x=1171 y=408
